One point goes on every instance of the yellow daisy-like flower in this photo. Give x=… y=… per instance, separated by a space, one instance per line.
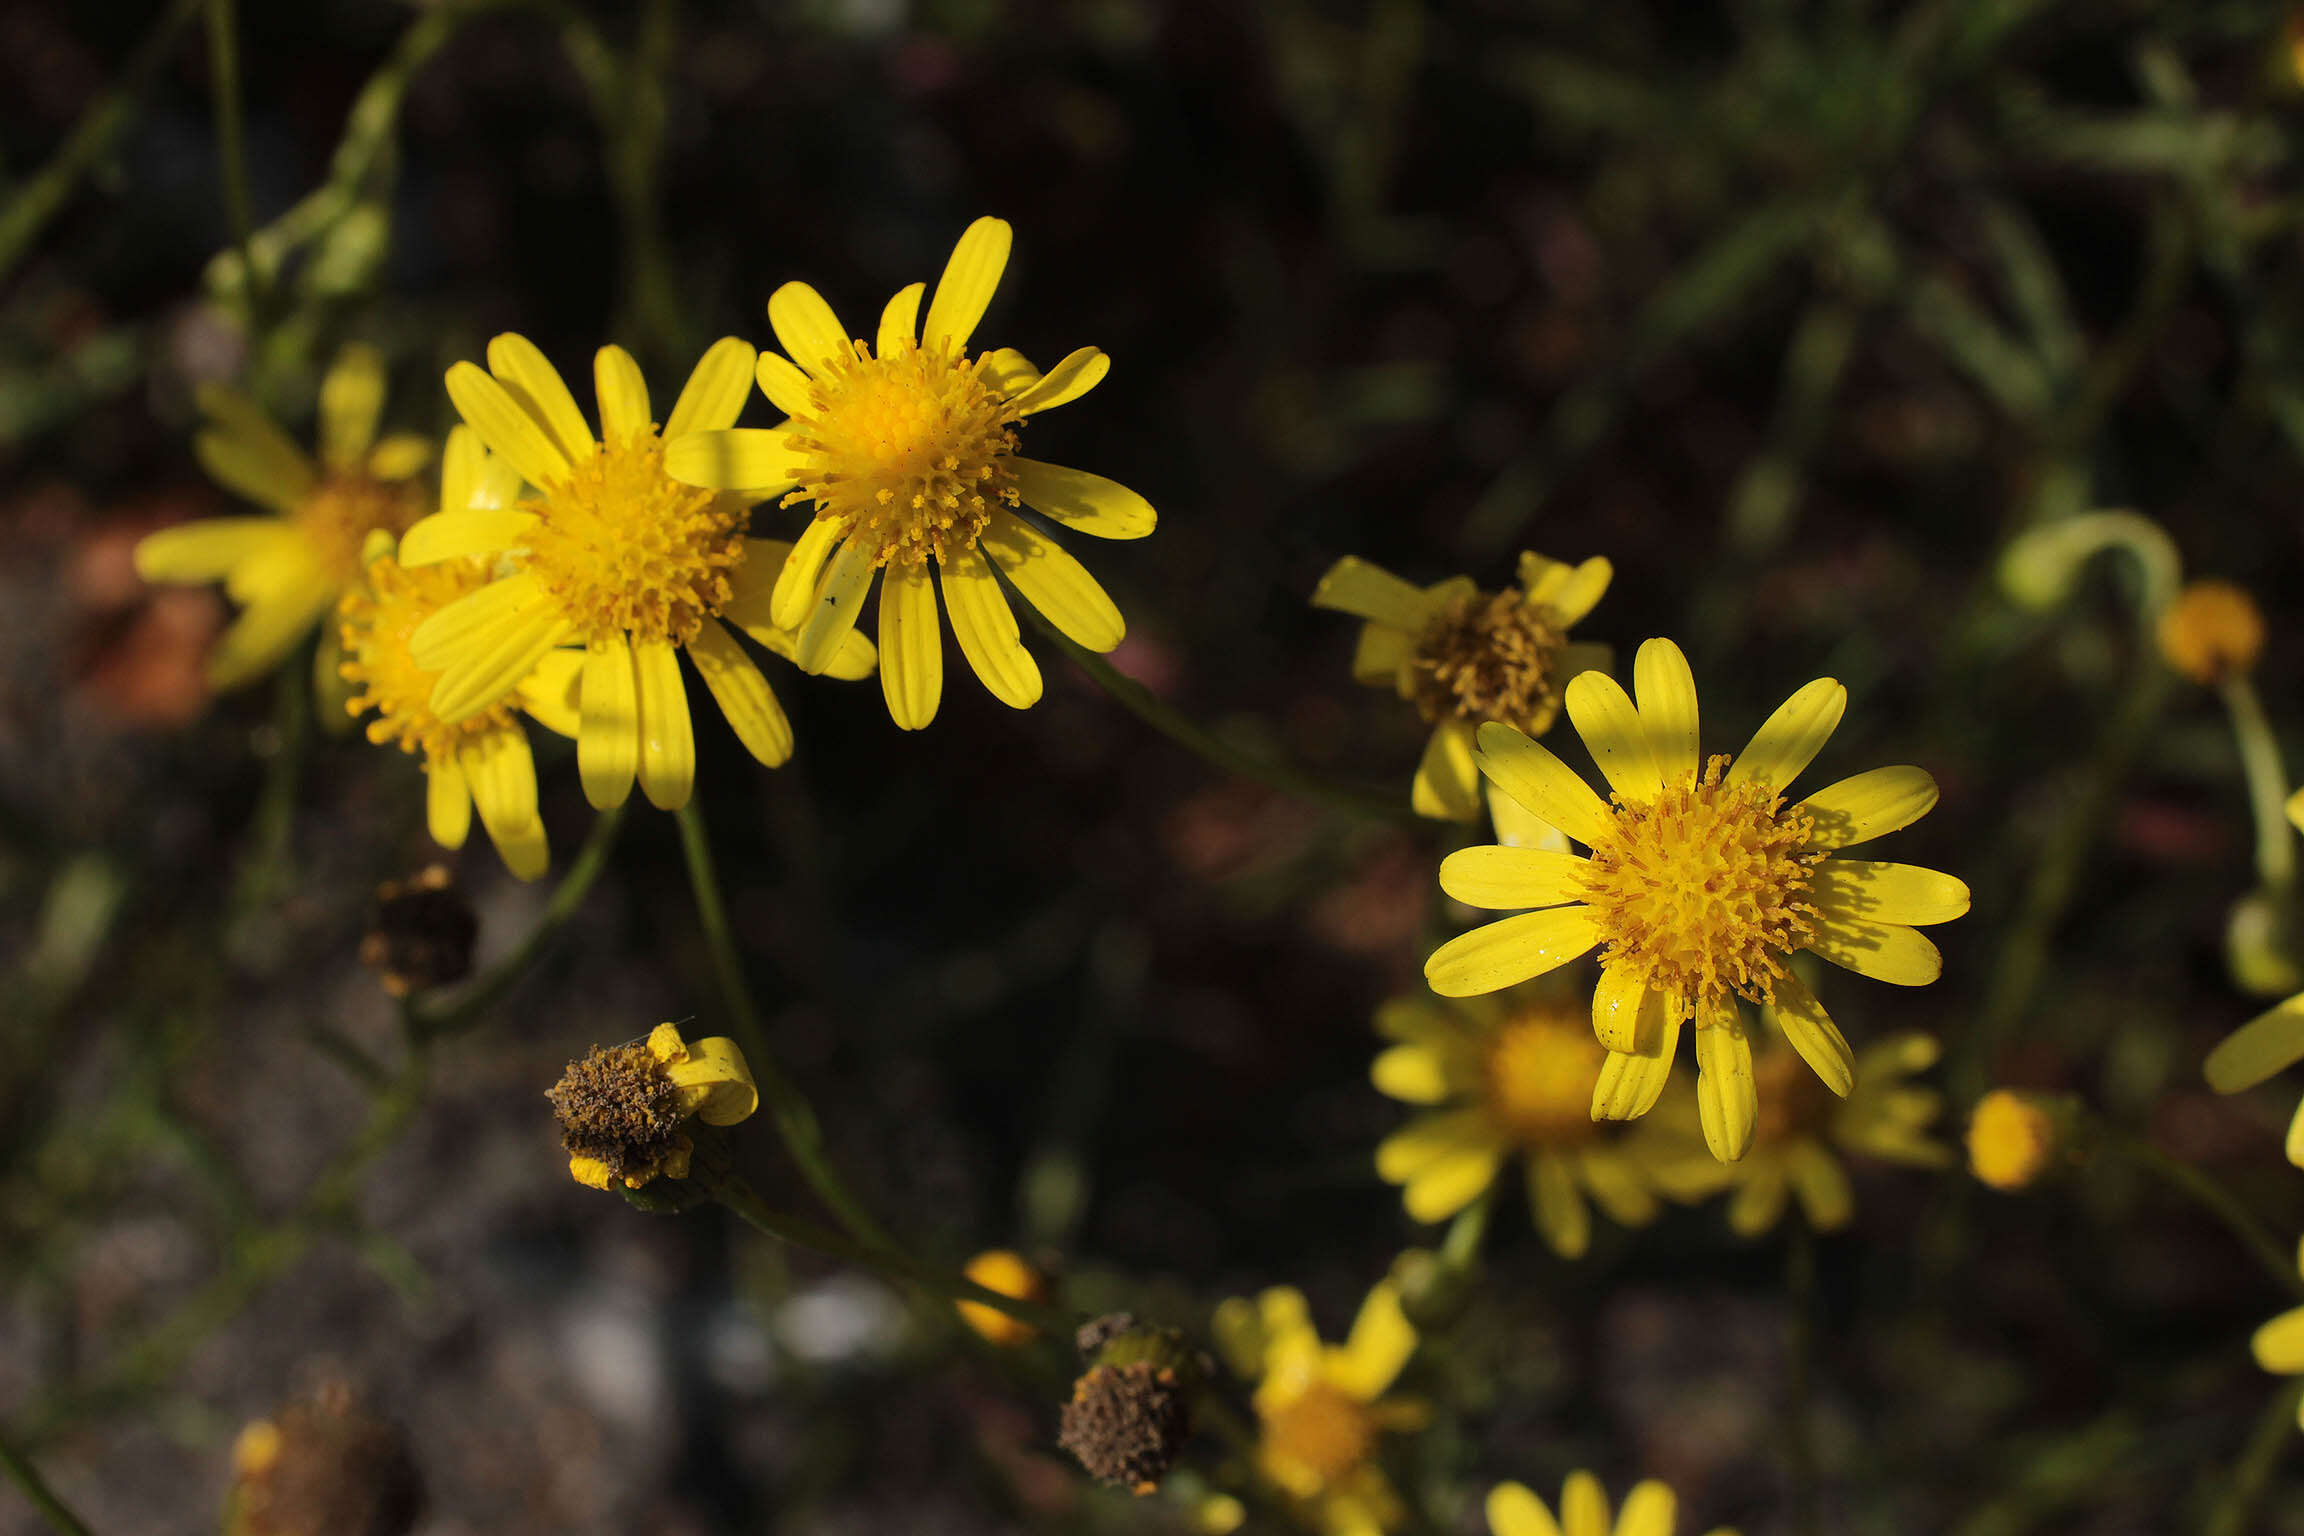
x=1320 y=1408
x=612 y=554
x=1699 y=885
x=1650 y=1509
x=2279 y=1344
x=622 y=1107
x=2271 y=1042
x=906 y=449
x=1464 y=657
x=482 y=758
x=1509 y=1074
x=1800 y=1132
x=286 y=570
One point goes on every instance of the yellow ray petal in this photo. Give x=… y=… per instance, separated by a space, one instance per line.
x=1101 y=508
x=1073 y=376
x=1355 y=586
x=911 y=647
x=832 y=612
x=1759 y=1200
x=505 y=426
x=461 y=464
x=207 y=548
x=1577 y=592
x=1514 y=1511
x=1789 y=739
x=787 y=388
x=715 y=393
x=1448 y=1183
x=1510 y=879
x=716 y=1081
x=667 y=737
x=1649 y=1510
x=237 y=464
x=2279 y=1344
x=1447 y=782
x=1530 y=774
x=1379 y=654
x=1888 y=893
x=1006 y=371
x=1583 y=1506
x=530 y=379
x=608 y=731
x=552 y=692
x=807 y=330
x=900 y=320
x=1616 y=1185
x=1557 y=1205
x=795 y=588
x=743 y=694
x=986 y=630
x=732 y=458
x=502 y=774
x=1628 y=1014
x=1727 y=1099
x=965 y=290
x=1610 y=724
x=456 y=535
x=1380 y=1343
x=1667 y=692
x=1510 y=951
x=1869 y=805
x=622 y=391
x=470 y=618
x=266 y=631
x=1053 y=582
x=1415 y=1074
x=1814 y=1035
x=351 y=402
x=447 y=802
x=2271 y=1042
x=399 y=456
x=490 y=671
x=1822 y=1185
x=1630 y=1085
x=1887 y=952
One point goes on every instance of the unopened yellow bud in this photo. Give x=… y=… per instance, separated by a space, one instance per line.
x=1010 y=1274
x=2212 y=631
x=2011 y=1137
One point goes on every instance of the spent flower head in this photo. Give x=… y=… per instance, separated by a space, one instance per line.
x=1699 y=886
x=421 y=933
x=623 y=1108
x=904 y=449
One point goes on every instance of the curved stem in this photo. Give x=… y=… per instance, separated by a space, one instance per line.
x=433 y=1022
x=2267 y=782
x=231 y=148
x=744 y=1202
x=36 y=1491
x=2218 y=1202
x=1205 y=744
x=2244 y=1486
x=795 y=1120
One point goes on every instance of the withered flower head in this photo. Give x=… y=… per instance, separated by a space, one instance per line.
x=622 y=1107
x=322 y=1467
x=1131 y=1412
x=422 y=933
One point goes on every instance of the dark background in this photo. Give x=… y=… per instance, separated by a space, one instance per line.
x=1796 y=312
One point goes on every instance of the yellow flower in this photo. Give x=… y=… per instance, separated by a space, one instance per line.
x=1011 y=1274
x=1800 y=1132
x=613 y=555
x=1699 y=885
x=2212 y=631
x=907 y=450
x=1510 y=1075
x=2279 y=1344
x=622 y=1107
x=1320 y=1407
x=2271 y=1042
x=2012 y=1137
x=481 y=758
x=1464 y=657
x=286 y=570
x=1650 y=1509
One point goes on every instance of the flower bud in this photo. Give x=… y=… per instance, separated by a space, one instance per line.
x=2013 y=1136
x=1010 y=1274
x=2212 y=631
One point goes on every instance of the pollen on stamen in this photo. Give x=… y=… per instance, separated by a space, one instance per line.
x=1703 y=891
x=622 y=546
x=378 y=618
x=908 y=451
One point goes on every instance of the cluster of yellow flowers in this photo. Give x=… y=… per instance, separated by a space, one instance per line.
x=563 y=572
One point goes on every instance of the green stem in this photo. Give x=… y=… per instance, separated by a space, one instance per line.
x=1221 y=754
x=40 y=199
x=469 y=1007
x=2218 y=1202
x=795 y=1120
x=36 y=1491
x=2267 y=782
x=263 y=873
x=744 y=1202
x=2244 y=1486
x=231 y=148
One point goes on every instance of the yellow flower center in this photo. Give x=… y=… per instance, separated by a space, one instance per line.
x=1703 y=890
x=1489 y=657
x=1325 y=1431
x=1541 y=1069
x=623 y=546
x=344 y=509
x=908 y=451
x=378 y=616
